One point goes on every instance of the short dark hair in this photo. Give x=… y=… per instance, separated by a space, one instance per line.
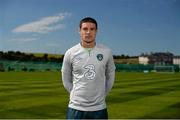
x=88 y=19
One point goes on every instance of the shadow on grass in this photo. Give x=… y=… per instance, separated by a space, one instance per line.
x=36 y=112
x=170 y=112
x=125 y=97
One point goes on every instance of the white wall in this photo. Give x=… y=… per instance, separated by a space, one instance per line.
x=143 y=60
x=176 y=61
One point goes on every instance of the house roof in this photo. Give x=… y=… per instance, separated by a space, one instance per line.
x=177 y=57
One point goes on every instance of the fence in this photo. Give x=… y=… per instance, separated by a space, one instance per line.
x=141 y=67
x=53 y=66
x=30 y=66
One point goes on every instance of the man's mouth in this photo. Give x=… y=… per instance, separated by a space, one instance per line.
x=88 y=41
x=87 y=37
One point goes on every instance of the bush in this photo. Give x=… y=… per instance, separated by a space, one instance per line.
x=48 y=69
x=31 y=70
x=11 y=69
x=24 y=69
x=2 y=67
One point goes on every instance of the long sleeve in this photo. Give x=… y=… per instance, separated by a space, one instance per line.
x=110 y=74
x=67 y=73
x=67 y=81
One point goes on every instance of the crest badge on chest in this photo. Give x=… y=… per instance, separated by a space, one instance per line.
x=100 y=57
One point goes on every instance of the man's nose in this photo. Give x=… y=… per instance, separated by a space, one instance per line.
x=88 y=31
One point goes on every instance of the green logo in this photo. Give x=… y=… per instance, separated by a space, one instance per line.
x=99 y=57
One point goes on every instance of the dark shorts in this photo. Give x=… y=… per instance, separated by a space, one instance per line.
x=77 y=114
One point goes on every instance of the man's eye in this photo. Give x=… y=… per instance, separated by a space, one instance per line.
x=85 y=29
x=92 y=29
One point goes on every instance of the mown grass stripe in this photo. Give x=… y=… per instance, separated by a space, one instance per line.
x=33 y=101
x=136 y=92
x=139 y=108
x=134 y=95
x=142 y=86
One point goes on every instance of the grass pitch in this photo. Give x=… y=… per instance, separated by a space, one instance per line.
x=41 y=95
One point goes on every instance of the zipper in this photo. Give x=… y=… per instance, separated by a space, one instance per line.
x=89 y=51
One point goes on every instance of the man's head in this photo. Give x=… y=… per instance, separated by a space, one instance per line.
x=88 y=19
x=88 y=29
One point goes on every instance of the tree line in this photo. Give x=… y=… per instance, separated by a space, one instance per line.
x=21 y=56
x=123 y=56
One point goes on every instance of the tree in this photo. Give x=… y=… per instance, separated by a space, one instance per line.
x=2 y=67
x=45 y=57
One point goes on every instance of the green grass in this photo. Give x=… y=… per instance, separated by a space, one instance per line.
x=134 y=95
x=32 y=95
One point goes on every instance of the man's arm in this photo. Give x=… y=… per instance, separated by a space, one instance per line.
x=66 y=73
x=67 y=81
x=110 y=73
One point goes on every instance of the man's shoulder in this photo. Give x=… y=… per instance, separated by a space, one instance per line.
x=73 y=49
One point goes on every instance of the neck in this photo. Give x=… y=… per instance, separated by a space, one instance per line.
x=88 y=45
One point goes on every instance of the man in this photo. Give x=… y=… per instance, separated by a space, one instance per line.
x=88 y=74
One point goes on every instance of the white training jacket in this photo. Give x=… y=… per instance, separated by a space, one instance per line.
x=88 y=76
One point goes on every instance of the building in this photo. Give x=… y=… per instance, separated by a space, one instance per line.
x=176 y=60
x=158 y=58
x=143 y=60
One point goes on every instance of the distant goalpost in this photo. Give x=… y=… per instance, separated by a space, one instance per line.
x=164 y=69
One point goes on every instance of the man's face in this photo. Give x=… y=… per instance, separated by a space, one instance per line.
x=88 y=33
